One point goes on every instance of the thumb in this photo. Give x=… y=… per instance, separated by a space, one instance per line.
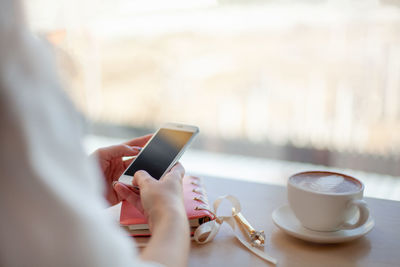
x=124 y=193
x=142 y=178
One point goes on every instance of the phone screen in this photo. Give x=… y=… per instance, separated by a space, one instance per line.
x=160 y=152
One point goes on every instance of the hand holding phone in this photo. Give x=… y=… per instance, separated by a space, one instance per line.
x=161 y=152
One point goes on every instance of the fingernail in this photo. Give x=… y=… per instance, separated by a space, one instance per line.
x=136 y=190
x=114 y=183
x=137 y=148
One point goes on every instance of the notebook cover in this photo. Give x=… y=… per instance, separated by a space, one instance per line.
x=192 y=189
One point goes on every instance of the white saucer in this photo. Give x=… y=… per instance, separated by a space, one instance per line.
x=285 y=219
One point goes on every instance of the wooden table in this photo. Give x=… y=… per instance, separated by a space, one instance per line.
x=380 y=247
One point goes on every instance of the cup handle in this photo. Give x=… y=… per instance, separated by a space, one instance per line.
x=364 y=214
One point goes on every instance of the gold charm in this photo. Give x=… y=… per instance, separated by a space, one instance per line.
x=257 y=238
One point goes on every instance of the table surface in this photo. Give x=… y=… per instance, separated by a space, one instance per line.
x=380 y=247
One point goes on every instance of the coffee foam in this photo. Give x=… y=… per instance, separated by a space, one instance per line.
x=329 y=183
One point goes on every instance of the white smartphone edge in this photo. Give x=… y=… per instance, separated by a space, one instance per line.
x=127 y=179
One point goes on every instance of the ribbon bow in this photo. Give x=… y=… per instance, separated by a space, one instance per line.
x=207 y=231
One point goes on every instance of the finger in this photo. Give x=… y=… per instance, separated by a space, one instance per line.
x=122 y=150
x=176 y=171
x=125 y=193
x=179 y=169
x=142 y=178
x=128 y=162
x=140 y=141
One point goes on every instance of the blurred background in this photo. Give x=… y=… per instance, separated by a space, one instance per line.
x=276 y=87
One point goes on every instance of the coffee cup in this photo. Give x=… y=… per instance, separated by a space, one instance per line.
x=327 y=201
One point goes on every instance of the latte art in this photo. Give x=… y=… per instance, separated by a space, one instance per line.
x=326 y=183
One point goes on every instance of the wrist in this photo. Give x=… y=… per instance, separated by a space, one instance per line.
x=168 y=214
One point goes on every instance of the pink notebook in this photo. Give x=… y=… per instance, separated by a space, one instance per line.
x=196 y=205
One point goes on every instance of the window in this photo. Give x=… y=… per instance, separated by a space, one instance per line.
x=310 y=81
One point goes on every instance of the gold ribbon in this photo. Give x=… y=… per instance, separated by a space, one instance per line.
x=207 y=231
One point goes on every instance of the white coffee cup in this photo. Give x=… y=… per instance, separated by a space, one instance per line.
x=327 y=201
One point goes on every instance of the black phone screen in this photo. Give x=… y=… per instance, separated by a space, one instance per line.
x=160 y=152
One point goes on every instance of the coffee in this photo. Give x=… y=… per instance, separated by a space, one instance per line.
x=324 y=182
x=327 y=201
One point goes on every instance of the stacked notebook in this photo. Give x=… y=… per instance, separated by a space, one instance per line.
x=196 y=205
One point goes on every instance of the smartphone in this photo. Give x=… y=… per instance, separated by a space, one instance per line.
x=161 y=152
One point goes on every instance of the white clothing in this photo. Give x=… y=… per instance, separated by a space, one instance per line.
x=51 y=194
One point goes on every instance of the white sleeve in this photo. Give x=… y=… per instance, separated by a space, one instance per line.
x=51 y=195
